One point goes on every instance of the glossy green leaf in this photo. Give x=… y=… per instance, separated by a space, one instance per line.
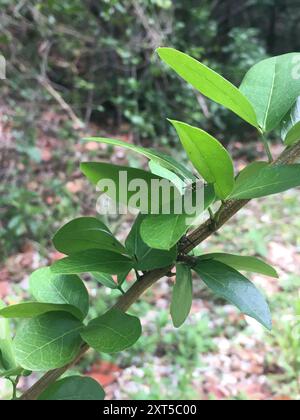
x=159 y=157
x=208 y=156
x=159 y=170
x=209 y=83
x=267 y=180
x=235 y=288
x=272 y=87
x=85 y=233
x=7 y=358
x=33 y=309
x=74 y=388
x=47 y=287
x=250 y=170
x=93 y=260
x=105 y=279
x=131 y=187
x=182 y=296
x=18 y=371
x=48 y=341
x=290 y=126
x=122 y=277
x=108 y=281
x=164 y=231
x=112 y=332
x=147 y=258
x=239 y=262
x=293 y=136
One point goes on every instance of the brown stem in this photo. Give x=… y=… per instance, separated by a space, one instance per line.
x=226 y=212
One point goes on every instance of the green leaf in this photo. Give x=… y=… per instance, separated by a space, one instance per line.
x=85 y=233
x=122 y=277
x=48 y=341
x=239 y=262
x=139 y=195
x=33 y=309
x=209 y=83
x=7 y=357
x=164 y=231
x=267 y=180
x=164 y=160
x=18 y=371
x=74 y=388
x=290 y=126
x=182 y=295
x=147 y=258
x=235 y=288
x=108 y=281
x=250 y=170
x=208 y=156
x=112 y=332
x=47 y=287
x=93 y=260
x=159 y=170
x=105 y=279
x=272 y=88
x=293 y=136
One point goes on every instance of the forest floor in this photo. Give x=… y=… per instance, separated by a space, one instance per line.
x=218 y=353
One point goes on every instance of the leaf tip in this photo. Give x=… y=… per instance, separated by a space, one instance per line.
x=269 y=325
x=266 y=321
x=173 y=122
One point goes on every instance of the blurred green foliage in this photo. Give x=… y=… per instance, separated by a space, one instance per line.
x=98 y=57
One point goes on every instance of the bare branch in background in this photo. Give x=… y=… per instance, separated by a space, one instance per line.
x=60 y=100
x=156 y=34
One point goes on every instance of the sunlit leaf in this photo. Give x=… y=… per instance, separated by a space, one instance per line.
x=159 y=157
x=208 y=156
x=165 y=230
x=272 y=87
x=123 y=178
x=209 y=83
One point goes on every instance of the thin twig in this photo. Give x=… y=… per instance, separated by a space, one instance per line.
x=60 y=100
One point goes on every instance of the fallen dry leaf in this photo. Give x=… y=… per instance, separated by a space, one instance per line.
x=104 y=372
x=4 y=289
